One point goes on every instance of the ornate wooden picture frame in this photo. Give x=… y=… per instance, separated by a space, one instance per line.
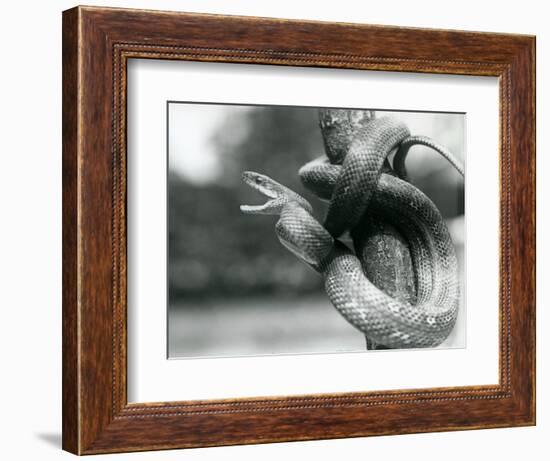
x=97 y=44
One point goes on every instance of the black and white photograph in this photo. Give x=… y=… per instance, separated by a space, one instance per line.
x=301 y=230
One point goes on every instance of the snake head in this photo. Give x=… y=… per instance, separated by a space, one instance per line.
x=277 y=194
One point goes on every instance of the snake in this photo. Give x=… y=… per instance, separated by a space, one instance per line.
x=356 y=177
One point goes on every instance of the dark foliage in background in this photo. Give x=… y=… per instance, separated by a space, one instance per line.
x=215 y=250
x=213 y=247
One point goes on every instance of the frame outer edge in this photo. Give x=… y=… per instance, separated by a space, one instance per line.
x=522 y=247
x=70 y=120
x=533 y=56
x=529 y=141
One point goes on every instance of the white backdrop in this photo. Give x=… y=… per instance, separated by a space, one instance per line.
x=30 y=235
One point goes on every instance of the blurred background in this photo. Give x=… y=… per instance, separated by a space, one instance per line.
x=233 y=289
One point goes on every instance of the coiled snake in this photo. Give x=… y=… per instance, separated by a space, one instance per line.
x=357 y=178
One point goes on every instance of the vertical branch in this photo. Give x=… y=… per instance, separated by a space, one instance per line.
x=384 y=253
x=386 y=260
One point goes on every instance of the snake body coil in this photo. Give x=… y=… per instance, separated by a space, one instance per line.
x=359 y=182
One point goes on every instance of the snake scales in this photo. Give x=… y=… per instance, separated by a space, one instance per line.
x=358 y=180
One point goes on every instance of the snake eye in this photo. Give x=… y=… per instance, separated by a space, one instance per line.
x=259 y=180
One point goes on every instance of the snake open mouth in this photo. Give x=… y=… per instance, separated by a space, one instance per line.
x=262 y=184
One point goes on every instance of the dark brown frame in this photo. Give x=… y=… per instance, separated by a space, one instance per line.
x=97 y=43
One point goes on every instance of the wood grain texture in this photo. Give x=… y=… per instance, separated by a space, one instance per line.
x=97 y=42
x=70 y=385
